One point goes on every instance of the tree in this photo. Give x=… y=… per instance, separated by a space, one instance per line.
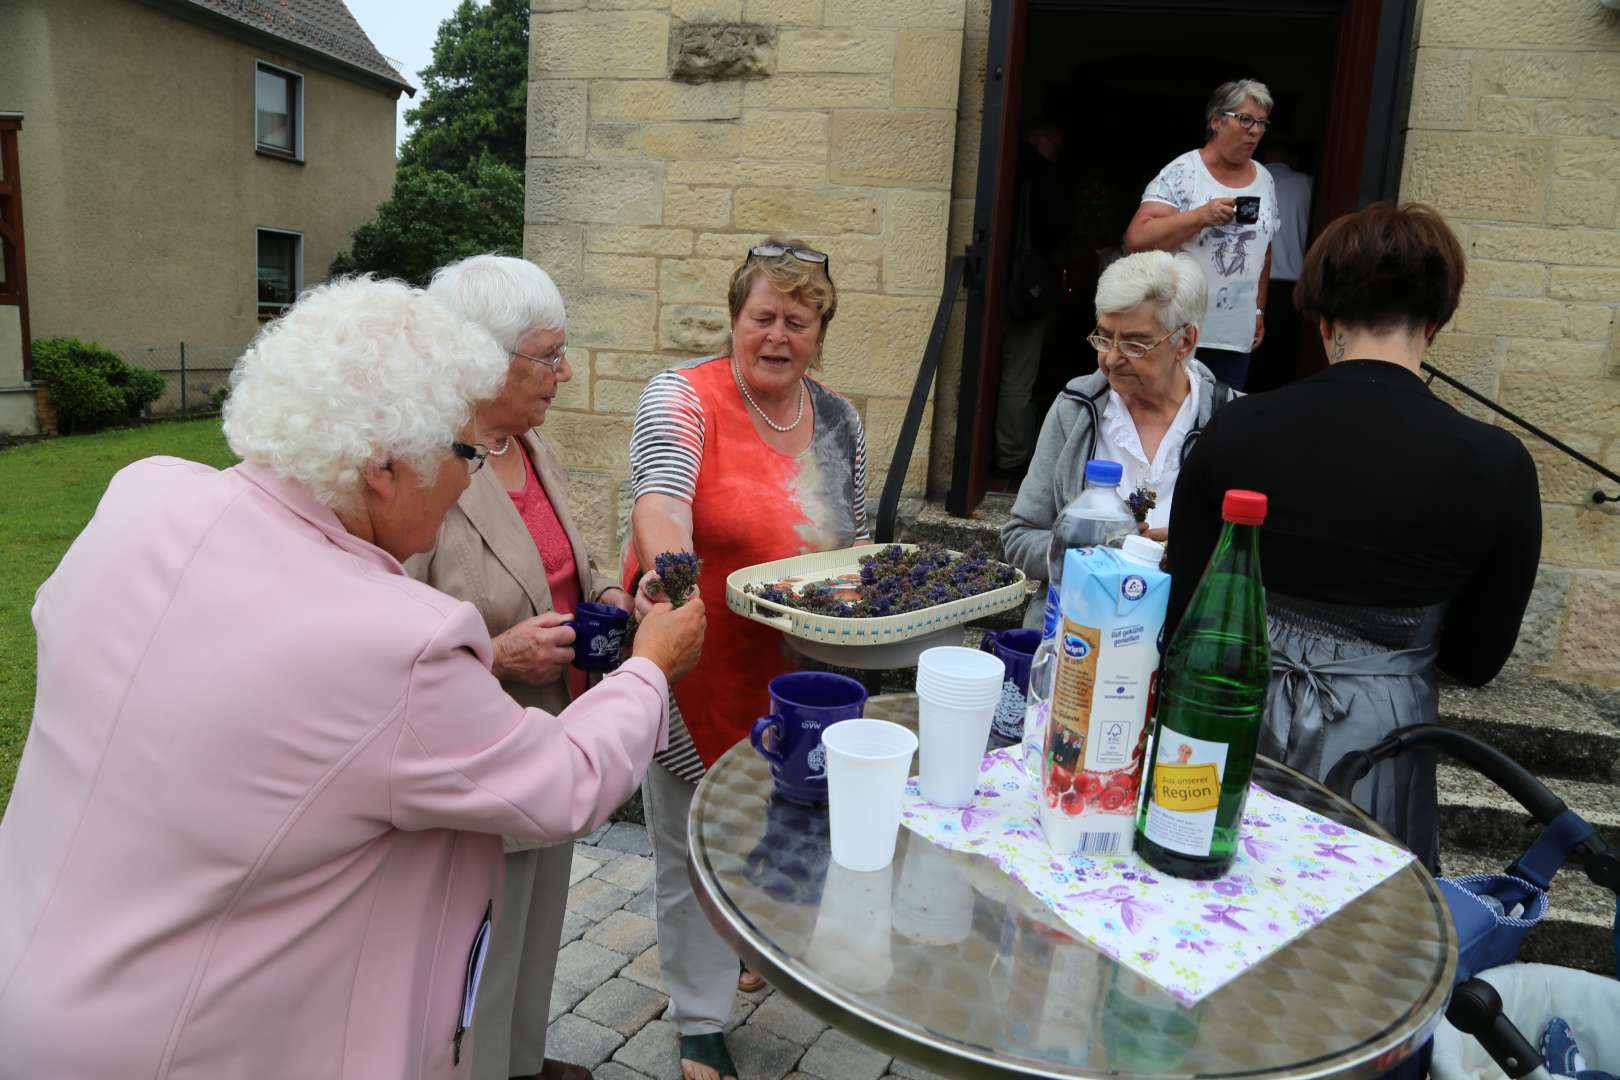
x=434 y=217
x=475 y=92
x=458 y=190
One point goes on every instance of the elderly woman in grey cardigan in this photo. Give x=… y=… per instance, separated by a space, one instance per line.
x=1143 y=407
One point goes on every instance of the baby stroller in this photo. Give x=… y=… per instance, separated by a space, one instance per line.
x=1502 y=1005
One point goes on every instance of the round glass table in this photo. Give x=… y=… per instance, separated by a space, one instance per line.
x=943 y=960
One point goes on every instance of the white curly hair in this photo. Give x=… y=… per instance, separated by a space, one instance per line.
x=1175 y=282
x=358 y=371
x=506 y=296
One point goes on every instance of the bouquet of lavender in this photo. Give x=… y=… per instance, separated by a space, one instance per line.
x=677 y=574
x=1141 y=503
x=894 y=581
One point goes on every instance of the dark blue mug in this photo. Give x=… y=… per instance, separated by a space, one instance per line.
x=1015 y=649
x=803 y=704
x=598 y=636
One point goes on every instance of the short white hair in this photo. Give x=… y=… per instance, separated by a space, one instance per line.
x=1174 y=282
x=358 y=372
x=1229 y=95
x=506 y=296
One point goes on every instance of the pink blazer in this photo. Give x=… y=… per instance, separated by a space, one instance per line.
x=257 y=820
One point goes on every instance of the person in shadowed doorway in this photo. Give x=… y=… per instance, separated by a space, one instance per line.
x=1219 y=205
x=1276 y=359
x=1042 y=222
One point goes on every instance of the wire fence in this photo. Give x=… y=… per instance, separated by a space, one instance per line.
x=195 y=376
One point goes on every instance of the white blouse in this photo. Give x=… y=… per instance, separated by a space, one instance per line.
x=1117 y=441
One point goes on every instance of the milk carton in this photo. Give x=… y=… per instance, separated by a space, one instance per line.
x=1112 y=609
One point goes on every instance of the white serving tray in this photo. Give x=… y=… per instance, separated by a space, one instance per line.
x=887 y=641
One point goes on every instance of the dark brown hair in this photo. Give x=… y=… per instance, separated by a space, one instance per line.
x=1383 y=268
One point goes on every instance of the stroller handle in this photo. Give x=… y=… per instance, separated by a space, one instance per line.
x=1497 y=767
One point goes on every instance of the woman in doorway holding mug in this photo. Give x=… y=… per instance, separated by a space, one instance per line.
x=509 y=547
x=1219 y=205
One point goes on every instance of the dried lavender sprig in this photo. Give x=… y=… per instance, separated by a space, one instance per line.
x=678 y=574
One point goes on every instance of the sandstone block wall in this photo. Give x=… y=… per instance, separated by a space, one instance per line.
x=1514 y=134
x=666 y=137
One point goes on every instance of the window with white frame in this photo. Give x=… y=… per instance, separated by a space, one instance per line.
x=281 y=270
x=278 y=109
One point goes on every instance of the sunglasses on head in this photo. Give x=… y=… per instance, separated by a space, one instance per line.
x=803 y=254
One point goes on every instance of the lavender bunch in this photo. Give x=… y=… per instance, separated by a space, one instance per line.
x=894 y=581
x=1141 y=503
x=677 y=574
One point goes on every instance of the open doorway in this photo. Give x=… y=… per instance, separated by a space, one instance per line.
x=1128 y=85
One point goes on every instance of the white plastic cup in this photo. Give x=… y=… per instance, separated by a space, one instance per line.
x=867 y=765
x=971 y=672
x=954 y=737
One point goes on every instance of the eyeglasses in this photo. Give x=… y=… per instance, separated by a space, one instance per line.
x=474 y=456
x=1245 y=121
x=1130 y=350
x=803 y=254
x=552 y=360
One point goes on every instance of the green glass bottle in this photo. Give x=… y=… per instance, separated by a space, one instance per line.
x=1212 y=700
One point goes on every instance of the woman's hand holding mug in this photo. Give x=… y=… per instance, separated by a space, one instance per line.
x=535 y=650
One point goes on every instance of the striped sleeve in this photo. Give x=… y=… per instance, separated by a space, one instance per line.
x=666 y=438
x=862 y=530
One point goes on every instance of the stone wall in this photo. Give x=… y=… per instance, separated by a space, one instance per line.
x=1515 y=136
x=667 y=136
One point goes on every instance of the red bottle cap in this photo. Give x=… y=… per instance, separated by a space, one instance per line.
x=1244 y=507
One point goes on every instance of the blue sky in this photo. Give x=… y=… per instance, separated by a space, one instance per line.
x=403 y=30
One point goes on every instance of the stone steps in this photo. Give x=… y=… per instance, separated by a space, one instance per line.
x=1550 y=727
x=1477 y=816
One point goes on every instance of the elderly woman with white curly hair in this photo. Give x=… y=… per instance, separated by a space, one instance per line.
x=510 y=547
x=1143 y=407
x=257 y=825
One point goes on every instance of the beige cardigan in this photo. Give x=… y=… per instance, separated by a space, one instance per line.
x=486 y=556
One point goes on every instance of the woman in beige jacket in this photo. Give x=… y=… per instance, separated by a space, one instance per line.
x=510 y=547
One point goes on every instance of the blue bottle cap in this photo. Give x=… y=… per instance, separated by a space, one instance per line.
x=1106 y=473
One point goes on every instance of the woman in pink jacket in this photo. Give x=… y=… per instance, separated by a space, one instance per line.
x=256 y=830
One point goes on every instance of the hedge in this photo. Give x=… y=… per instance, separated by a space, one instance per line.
x=91 y=386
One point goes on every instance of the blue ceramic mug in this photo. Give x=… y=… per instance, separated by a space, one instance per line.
x=1015 y=649
x=803 y=704
x=598 y=636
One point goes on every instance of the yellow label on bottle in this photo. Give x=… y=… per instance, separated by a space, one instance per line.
x=1187 y=789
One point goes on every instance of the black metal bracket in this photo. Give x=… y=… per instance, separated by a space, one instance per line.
x=895 y=482
x=1598 y=497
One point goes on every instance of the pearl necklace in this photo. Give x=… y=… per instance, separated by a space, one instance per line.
x=506 y=444
x=763 y=415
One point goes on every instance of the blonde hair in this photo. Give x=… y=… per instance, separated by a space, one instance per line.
x=808 y=283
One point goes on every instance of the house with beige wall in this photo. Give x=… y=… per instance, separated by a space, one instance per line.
x=188 y=165
x=666 y=136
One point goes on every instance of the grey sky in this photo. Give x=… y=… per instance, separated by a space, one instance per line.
x=403 y=30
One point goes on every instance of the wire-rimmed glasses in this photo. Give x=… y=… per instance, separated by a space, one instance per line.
x=1130 y=350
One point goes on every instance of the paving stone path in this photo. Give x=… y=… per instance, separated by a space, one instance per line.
x=608 y=1002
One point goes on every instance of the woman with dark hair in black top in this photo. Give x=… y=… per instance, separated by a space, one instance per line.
x=1401 y=535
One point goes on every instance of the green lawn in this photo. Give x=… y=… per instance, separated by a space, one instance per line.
x=48 y=490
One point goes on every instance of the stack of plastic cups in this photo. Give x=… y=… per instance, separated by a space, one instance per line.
x=957 y=693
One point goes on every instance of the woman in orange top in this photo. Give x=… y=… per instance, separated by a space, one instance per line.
x=741 y=459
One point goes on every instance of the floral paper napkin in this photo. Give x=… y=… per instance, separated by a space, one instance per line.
x=1294 y=869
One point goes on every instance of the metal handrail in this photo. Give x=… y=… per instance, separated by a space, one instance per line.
x=1598 y=497
x=889 y=504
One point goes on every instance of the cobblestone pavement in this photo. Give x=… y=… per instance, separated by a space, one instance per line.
x=608 y=1002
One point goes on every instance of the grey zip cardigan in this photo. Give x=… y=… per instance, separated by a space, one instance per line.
x=1057 y=471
